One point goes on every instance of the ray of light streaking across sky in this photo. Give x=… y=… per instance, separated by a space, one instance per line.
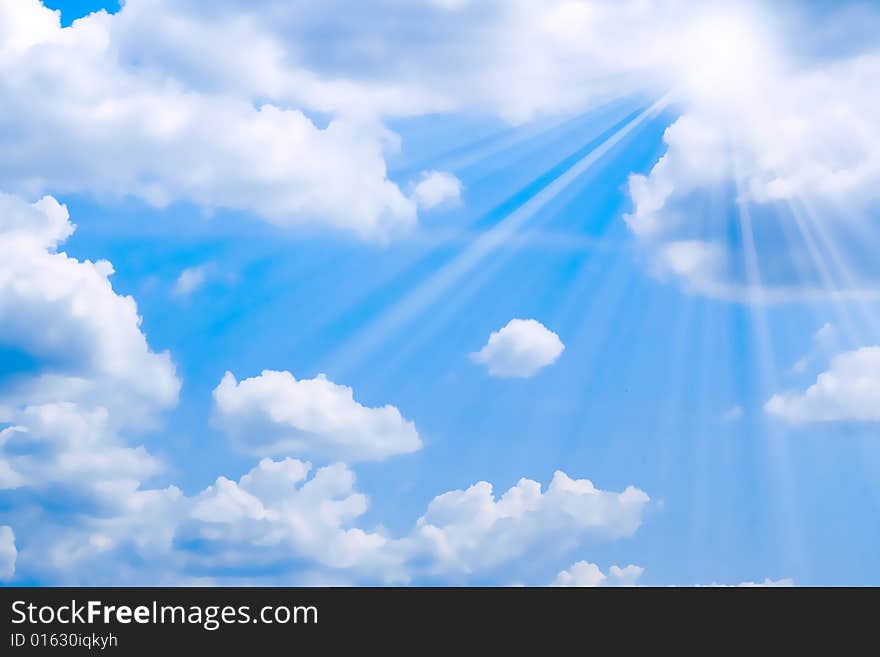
x=833 y=282
x=778 y=458
x=822 y=234
x=452 y=273
x=485 y=157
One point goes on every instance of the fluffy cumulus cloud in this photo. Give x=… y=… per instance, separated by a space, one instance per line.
x=276 y=414
x=224 y=117
x=471 y=530
x=769 y=171
x=519 y=349
x=191 y=279
x=8 y=552
x=64 y=312
x=86 y=110
x=848 y=390
x=281 y=510
x=93 y=373
x=586 y=574
x=432 y=57
x=437 y=188
x=129 y=540
x=285 y=521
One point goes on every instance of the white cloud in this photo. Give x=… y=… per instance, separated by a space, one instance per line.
x=95 y=373
x=276 y=414
x=793 y=138
x=276 y=512
x=437 y=188
x=733 y=414
x=130 y=542
x=222 y=117
x=825 y=333
x=7 y=552
x=279 y=522
x=695 y=261
x=428 y=59
x=86 y=329
x=586 y=574
x=519 y=349
x=70 y=445
x=80 y=115
x=191 y=279
x=284 y=521
x=70 y=418
x=848 y=390
x=471 y=531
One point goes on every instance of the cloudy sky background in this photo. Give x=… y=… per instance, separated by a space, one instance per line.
x=439 y=292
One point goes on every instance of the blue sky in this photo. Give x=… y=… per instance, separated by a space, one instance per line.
x=672 y=348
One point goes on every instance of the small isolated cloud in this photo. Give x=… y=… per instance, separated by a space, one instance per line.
x=520 y=349
x=759 y=136
x=848 y=390
x=733 y=414
x=276 y=414
x=287 y=521
x=586 y=574
x=437 y=188
x=8 y=553
x=191 y=279
x=178 y=132
x=824 y=333
x=95 y=377
x=281 y=509
x=690 y=258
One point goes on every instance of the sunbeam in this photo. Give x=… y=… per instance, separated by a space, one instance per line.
x=426 y=293
x=775 y=445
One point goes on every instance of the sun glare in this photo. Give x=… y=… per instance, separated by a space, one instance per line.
x=723 y=57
